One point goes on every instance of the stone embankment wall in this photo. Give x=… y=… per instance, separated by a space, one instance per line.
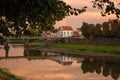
x=99 y=41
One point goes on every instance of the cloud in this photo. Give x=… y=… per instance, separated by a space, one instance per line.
x=90 y=16
x=81 y=3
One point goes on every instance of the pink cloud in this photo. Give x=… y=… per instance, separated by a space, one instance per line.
x=90 y=16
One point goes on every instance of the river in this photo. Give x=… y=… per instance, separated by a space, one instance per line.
x=53 y=66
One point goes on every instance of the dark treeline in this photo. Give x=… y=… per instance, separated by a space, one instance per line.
x=110 y=29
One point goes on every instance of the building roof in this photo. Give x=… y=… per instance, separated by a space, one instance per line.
x=65 y=28
x=75 y=33
x=48 y=32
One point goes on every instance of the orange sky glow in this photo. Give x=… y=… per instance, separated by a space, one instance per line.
x=90 y=16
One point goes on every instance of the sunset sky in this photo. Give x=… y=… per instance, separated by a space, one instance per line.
x=91 y=15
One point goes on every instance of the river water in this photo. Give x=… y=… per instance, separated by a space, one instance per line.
x=54 y=66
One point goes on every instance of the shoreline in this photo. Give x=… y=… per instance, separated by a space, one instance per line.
x=7 y=75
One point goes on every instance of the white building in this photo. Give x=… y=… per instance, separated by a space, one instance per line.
x=65 y=31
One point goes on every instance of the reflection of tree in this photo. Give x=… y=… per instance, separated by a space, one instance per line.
x=29 y=52
x=115 y=70
x=106 y=69
x=33 y=54
x=101 y=66
x=98 y=65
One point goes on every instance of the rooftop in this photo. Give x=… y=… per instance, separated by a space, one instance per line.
x=65 y=28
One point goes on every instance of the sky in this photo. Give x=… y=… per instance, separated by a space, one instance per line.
x=91 y=15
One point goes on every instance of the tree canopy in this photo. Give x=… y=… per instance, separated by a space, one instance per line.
x=110 y=29
x=40 y=13
x=107 y=7
x=17 y=15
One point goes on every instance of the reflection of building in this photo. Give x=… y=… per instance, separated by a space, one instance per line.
x=61 y=59
x=64 y=60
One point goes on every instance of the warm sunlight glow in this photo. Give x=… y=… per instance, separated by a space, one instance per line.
x=91 y=15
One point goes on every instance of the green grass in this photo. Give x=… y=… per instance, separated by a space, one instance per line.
x=17 y=41
x=4 y=75
x=36 y=44
x=83 y=48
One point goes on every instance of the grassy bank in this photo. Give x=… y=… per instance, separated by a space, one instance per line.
x=83 y=48
x=4 y=75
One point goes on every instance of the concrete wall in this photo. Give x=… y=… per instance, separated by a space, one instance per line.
x=102 y=41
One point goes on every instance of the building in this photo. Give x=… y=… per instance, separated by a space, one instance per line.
x=65 y=31
x=75 y=34
x=79 y=31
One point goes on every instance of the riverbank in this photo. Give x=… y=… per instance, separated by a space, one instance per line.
x=79 y=48
x=5 y=75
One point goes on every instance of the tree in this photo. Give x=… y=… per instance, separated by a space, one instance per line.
x=107 y=7
x=4 y=29
x=33 y=32
x=97 y=30
x=43 y=13
x=85 y=29
x=91 y=30
x=106 y=29
x=115 y=28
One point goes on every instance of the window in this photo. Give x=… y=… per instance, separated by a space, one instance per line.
x=68 y=33
x=64 y=32
x=71 y=33
x=61 y=33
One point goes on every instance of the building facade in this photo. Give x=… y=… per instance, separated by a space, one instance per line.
x=65 y=31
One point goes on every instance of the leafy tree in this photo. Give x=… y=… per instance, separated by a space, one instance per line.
x=98 y=32
x=85 y=29
x=43 y=13
x=115 y=28
x=33 y=32
x=107 y=7
x=4 y=29
x=91 y=29
x=40 y=14
x=106 y=29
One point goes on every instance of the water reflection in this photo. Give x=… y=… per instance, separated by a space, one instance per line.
x=59 y=65
x=99 y=66
x=60 y=58
x=90 y=64
x=11 y=50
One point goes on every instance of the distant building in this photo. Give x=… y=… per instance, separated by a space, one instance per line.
x=79 y=31
x=65 y=31
x=48 y=34
x=75 y=34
